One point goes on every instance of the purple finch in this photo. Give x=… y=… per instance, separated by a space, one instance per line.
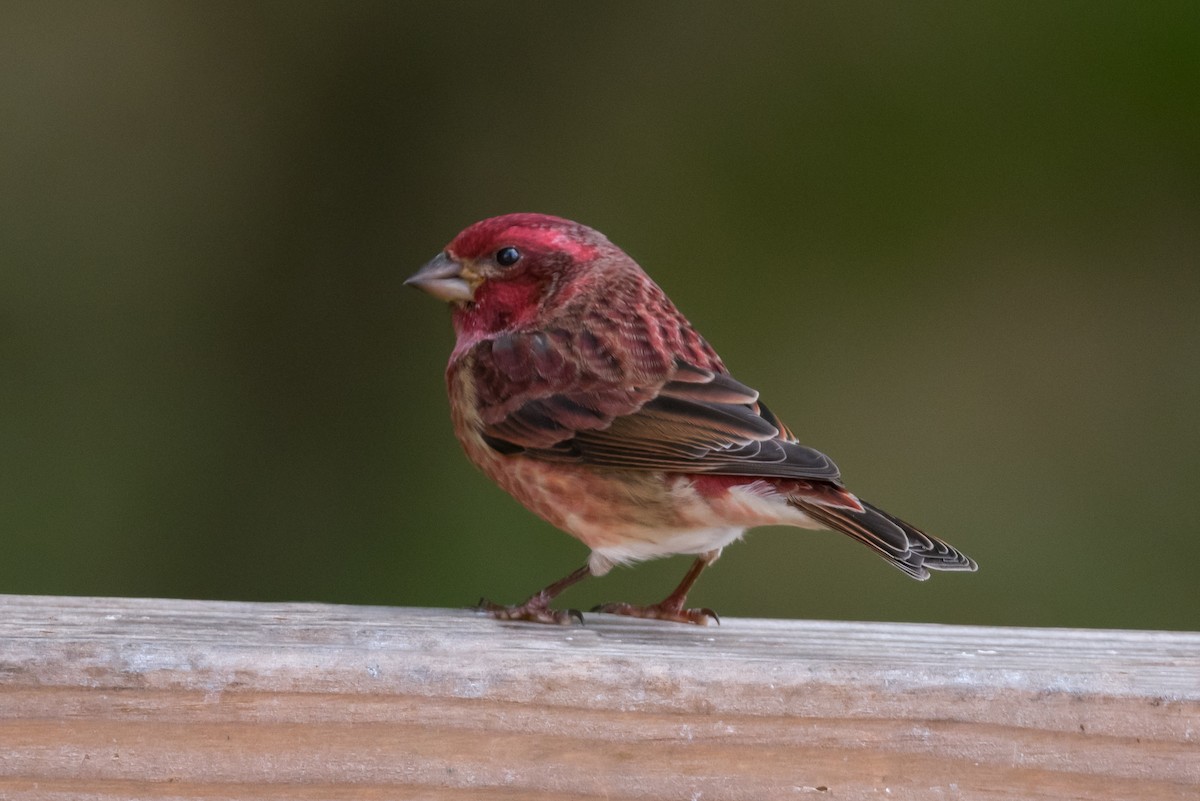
x=579 y=388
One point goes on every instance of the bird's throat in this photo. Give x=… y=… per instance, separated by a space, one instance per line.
x=498 y=307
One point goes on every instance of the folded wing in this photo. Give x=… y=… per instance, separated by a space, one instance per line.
x=563 y=403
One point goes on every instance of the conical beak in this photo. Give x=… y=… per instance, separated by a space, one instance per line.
x=444 y=278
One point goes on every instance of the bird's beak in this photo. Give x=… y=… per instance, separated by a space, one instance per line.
x=445 y=279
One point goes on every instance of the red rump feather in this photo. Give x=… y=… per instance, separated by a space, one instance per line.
x=819 y=492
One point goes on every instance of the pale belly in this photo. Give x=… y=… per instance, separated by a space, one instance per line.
x=629 y=516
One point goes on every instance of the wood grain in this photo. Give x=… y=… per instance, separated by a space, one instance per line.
x=105 y=698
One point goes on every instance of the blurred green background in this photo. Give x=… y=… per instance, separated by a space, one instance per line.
x=955 y=245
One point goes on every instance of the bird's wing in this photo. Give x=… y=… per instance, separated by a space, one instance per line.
x=562 y=404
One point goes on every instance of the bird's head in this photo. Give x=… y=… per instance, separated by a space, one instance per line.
x=502 y=273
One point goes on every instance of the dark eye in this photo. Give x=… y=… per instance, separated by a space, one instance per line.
x=506 y=257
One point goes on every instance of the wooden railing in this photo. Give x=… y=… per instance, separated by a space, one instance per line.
x=105 y=698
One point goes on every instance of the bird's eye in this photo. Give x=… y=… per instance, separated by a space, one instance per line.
x=507 y=257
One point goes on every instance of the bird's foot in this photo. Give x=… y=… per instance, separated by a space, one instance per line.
x=662 y=611
x=535 y=610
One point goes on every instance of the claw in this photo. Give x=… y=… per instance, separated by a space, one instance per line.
x=698 y=617
x=535 y=610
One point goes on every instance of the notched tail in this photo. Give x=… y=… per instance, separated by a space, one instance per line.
x=905 y=546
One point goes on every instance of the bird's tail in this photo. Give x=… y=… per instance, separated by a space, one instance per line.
x=905 y=546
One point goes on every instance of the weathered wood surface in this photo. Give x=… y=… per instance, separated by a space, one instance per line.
x=137 y=698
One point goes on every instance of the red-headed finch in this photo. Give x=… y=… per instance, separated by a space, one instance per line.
x=579 y=388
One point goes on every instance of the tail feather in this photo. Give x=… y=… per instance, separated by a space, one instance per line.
x=905 y=546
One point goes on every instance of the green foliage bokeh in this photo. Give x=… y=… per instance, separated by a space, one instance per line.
x=955 y=247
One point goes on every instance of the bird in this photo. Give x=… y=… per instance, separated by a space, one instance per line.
x=579 y=388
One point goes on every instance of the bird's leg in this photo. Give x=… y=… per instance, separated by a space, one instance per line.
x=537 y=607
x=671 y=607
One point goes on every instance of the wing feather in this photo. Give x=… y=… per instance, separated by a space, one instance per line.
x=566 y=397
